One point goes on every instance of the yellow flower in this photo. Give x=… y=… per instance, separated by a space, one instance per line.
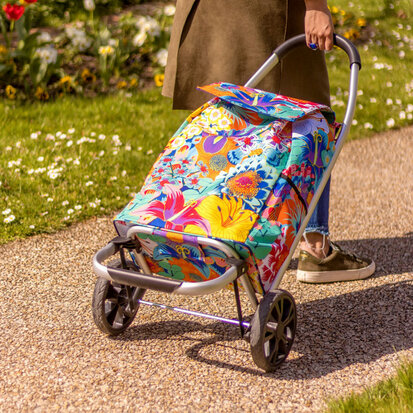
x=334 y=10
x=352 y=34
x=227 y=218
x=88 y=76
x=3 y=49
x=133 y=82
x=361 y=22
x=159 y=80
x=11 y=92
x=106 y=50
x=121 y=84
x=65 y=79
x=41 y=94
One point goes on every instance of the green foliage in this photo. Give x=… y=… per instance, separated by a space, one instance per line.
x=391 y=396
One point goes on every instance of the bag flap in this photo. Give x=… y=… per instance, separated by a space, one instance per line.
x=269 y=104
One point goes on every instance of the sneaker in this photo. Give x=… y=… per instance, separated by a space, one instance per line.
x=337 y=266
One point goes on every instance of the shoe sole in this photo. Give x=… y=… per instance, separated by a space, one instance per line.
x=317 y=277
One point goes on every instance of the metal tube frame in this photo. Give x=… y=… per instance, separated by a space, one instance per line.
x=207 y=287
x=245 y=324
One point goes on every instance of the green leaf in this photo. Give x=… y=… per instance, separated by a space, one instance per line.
x=21 y=30
x=38 y=69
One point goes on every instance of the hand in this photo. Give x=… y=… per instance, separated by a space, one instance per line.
x=318 y=24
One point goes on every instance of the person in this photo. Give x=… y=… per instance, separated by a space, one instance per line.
x=216 y=40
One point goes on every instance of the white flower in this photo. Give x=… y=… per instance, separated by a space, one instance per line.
x=124 y=173
x=54 y=173
x=81 y=42
x=101 y=153
x=50 y=137
x=169 y=10
x=9 y=219
x=402 y=115
x=149 y=152
x=373 y=100
x=71 y=131
x=40 y=159
x=44 y=37
x=10 y=164
x=48 y=54
x=49 y=199
x=128 y=147
x=390 y=123
x=151 y=26
x=70 y=211
x=32 y=227
x=92 y=205
x=113 y=178
x=69 y=143
x=354 y=122
x=89 y=183
x=89 y=5
x=101 y=137
x=139 y=39
x=78 y=207
x=116 y=141
x=64 y=203
x=76 y=161
x=33 y=135
x=368 y=125
x=7 y=211
x=162 y=56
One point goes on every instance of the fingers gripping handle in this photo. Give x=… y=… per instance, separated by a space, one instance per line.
x=339 y=41
x=300 y=40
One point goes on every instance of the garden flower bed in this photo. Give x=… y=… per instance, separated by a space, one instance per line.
x=122 y=51
x=117 y=52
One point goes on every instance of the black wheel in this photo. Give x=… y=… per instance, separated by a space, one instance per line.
x=273 y=329
x=114 y=306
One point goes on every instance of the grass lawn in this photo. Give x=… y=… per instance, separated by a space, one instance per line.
x=394 y=395
x=64 y=161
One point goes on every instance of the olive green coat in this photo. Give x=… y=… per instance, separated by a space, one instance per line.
x=228 y=40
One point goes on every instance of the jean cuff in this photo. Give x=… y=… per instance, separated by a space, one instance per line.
x=321 y=229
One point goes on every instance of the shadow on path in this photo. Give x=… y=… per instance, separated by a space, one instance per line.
x=332 y=333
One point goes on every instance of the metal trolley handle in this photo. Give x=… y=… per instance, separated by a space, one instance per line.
x=355 y=65
x=339 y=41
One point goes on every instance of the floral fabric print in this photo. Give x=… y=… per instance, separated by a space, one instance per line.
x=243 y=169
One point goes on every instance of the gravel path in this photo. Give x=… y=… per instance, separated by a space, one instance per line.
x=52 y=357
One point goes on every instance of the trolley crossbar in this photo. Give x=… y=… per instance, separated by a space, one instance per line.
x=245 y=324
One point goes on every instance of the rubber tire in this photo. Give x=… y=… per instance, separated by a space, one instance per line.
x=264 y=341
x=100 y=293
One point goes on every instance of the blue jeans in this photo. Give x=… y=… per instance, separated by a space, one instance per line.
x=319 y=220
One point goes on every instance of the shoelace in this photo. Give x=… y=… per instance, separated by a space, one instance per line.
x=346 y=253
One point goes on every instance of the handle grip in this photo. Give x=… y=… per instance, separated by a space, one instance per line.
x=339 y=41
